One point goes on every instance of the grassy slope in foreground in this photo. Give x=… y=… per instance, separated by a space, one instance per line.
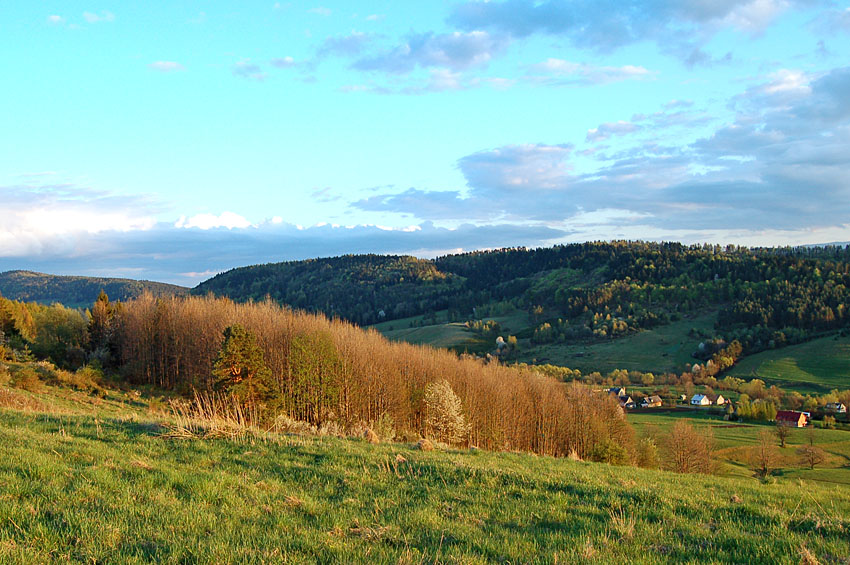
x=819 y=365
x=104 y=487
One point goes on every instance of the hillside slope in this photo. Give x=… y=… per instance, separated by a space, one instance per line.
x=819 y=365
x=637 y=305
x=98 y=481
x=74 y=291
x=363 y=289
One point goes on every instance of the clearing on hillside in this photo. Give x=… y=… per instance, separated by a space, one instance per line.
x=819 y=365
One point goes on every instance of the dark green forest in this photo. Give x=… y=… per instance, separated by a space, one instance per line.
x=765 y=297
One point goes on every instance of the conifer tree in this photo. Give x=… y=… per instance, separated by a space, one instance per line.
x=240 y=367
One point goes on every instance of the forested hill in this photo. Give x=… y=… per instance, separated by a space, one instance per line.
x=593 y=291
x=361 y=288
x=27 y=286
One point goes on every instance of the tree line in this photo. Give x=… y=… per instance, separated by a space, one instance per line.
x=766 y=297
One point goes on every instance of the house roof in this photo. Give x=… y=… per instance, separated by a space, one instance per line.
x=789 y=415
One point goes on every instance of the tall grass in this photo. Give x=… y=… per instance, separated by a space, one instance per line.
x=212 y=415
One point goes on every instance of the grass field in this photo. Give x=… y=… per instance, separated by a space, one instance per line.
x=87 y=480
x=819 y=365
x=734 y=441
x=666 y=348
x=449 y=335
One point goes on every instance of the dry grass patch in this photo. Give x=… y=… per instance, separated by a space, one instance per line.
x=15 y=400
x=622 y=523
x=807 y=557
x=424 y=445
x=369 y=533
x=142 y=464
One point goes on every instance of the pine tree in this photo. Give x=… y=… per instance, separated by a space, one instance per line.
x=240 y=367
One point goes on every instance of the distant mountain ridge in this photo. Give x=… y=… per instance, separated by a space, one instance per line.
x=585 y=293
x=77 y=291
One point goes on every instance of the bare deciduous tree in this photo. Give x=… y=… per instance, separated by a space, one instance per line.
x=782 y=431
x=687 y=450
x=764 y=458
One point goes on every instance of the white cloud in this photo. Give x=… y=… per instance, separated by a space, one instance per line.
x=167 y=66
x=455 y=51
x=609 y=129
x=104 y=16
x=555 y=71
x=227 y=220
x=283 y=62
x=248 y=70
x=755 y=16
x=54 y=19
x=56 y=216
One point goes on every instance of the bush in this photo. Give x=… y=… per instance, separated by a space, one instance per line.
x=646 y=454
x=5 y=377
x=609 y=452
x=384 y=426
x=828 y=423
x=444 y=419
x=27 y=379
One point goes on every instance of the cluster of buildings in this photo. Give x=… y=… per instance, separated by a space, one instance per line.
x=790 y=418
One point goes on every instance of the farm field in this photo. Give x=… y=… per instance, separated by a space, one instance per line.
x=733 y=442
x=89 y=480
x=449 y=335
x=819 y=365
x=666 y=348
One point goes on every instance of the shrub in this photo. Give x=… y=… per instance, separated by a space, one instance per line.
x=646 y=454
x=384 y=426
x=828 y=423
x=444 y=418
x=5 y=377
x=370 y=436
x=609 y=452
x=27 y=379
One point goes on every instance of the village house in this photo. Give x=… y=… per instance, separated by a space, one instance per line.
x=617 y=391
x=700 y=400
x=792 y=418
x=626 y=401
x=717 y=399
x=651 y=401
x=835 y=408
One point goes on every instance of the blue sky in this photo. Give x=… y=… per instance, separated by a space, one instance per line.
x=168 y=142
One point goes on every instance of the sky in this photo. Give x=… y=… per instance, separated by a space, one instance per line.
x=172 y=141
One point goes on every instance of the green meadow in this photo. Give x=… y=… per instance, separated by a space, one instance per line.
x=662 y=349
x=735 y=442
x=666 y=348
x=85 y=479
x=819 y=365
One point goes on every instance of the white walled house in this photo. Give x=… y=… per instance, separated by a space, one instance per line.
x=700 y=400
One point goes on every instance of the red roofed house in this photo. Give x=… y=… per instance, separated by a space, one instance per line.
x=791 y=418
